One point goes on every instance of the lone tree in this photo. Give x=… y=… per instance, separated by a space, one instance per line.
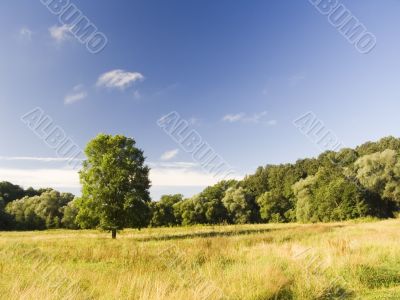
x=115 y=183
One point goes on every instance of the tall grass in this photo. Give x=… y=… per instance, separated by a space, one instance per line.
x=289 y=261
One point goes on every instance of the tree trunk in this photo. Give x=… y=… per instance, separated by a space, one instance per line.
x=114 y=233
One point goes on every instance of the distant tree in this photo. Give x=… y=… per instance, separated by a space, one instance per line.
x=211 y=199
x=190 y=211
x=162 y=212
x=5 y=218
x=70 y=212
x=205 y=207
x=241 y=206
x=385 y=143
x=39 y=212
x=380 y=173
x=257 y=183
x=274 y=207
x=329 y=196
x=345 y=157
x=116 y=183
x=10 y=192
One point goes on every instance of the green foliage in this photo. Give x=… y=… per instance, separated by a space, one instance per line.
x=70 y=212
x=115 y=183
x=162 y=212
x=383 y=144
x=329 y=196
x=5 y=218
x=241 y=206
x=380 y=173
x=39 y=212
x=204 y=208
x=10 y=192
x=212 y=209
x=189 y=212
x=348 y=184
x=87 y=216
x=274 y=207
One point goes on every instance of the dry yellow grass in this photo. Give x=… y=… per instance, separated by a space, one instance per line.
x=286 y=261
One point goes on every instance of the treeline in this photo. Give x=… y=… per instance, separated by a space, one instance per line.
x=335 y=186
x=32 y=209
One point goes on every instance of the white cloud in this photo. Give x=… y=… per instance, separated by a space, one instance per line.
x=74 y=97
x=63 y=179
x=162 y=174
x=257 y=118
x=168 y=155
x=78 y=93
x=25 y=34
x=118 y=79
x=233 y=117
x=55 y=178
x=60 y=33
x=39 y=159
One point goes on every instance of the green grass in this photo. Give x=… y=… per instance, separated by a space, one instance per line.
x=351 y=260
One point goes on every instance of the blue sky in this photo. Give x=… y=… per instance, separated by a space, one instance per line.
x=239 y=71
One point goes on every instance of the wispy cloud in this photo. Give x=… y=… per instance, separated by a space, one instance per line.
x=233 y=117
x=118 y=79
x=168 y=155
x=32 y=158
x=257 y=118
x=78 y=93
x=37 y=178
x=162 y=174
x=25 y=34
x=60 y=33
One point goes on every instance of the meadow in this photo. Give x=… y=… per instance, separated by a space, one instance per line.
x=348 y=260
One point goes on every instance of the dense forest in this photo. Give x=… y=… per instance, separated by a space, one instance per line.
x=335 y=186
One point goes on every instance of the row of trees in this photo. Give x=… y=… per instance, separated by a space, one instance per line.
x=31 y=209
x=335 y=186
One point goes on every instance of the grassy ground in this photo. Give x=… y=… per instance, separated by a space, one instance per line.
x=289 y=261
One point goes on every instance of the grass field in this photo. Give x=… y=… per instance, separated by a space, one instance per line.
x=287 y=261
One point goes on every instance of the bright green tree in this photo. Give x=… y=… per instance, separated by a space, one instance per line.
x=39 y=212
x=274 y=207
x=240 y=205
x=115 y=183
x=380 y=173
x=329 y=196
x=162 y=212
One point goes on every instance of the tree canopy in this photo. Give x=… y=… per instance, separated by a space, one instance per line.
x=115 y=183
